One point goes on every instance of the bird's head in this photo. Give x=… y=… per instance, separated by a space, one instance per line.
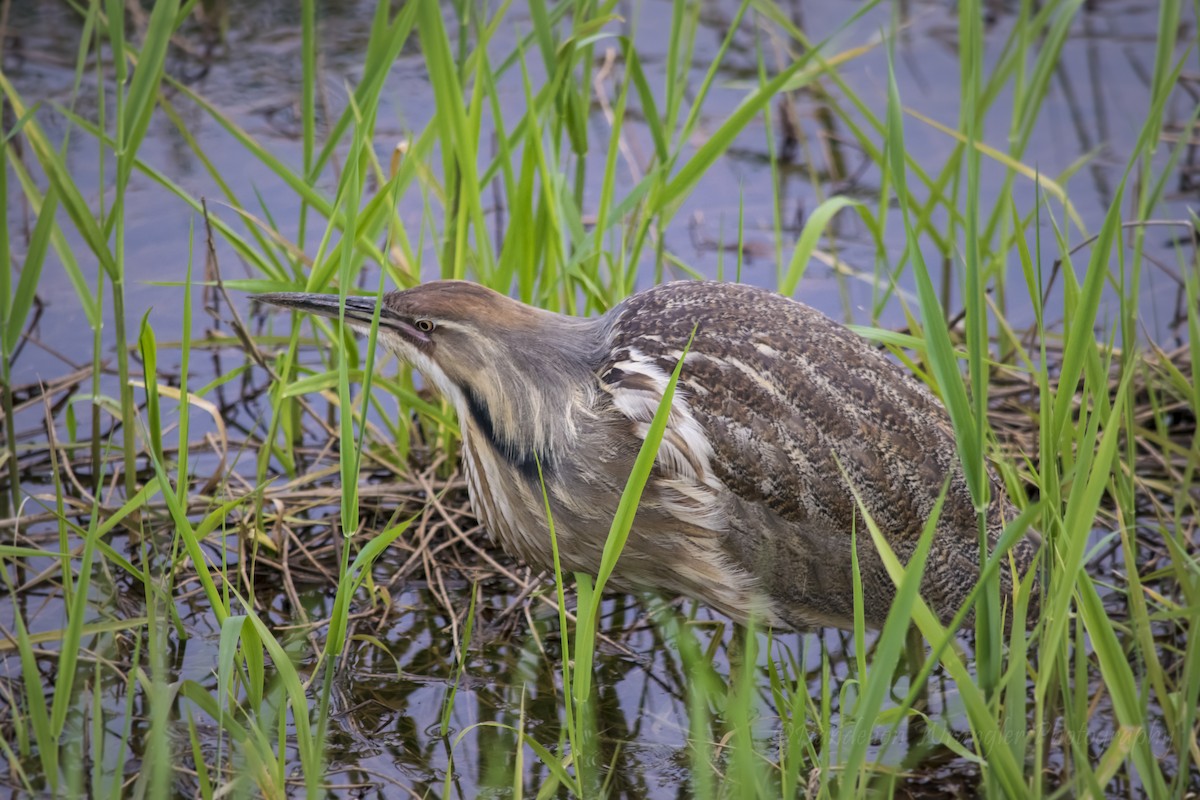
x=516 y=371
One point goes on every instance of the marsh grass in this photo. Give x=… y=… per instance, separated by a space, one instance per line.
x=1091 y=427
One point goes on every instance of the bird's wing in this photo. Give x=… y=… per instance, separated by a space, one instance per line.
x=781 y=417
x=785 y=408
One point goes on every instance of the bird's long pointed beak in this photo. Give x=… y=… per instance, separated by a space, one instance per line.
x=359 y=311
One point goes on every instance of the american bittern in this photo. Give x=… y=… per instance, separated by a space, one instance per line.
x=749 y=508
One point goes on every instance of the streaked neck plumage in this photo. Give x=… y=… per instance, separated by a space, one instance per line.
x=523 y=387
x=527 y=400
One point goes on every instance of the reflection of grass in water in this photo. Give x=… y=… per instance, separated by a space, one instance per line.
x=139 y=513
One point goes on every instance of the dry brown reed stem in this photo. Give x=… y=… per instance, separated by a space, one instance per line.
x=1014 y=413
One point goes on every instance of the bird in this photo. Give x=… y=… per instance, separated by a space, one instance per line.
x=780 y=414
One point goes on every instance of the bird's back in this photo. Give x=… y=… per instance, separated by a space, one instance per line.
x=795 y=409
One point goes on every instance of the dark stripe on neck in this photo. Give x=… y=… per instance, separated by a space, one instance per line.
x=523 y=460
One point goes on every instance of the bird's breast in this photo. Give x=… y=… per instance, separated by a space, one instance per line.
x=497 y=500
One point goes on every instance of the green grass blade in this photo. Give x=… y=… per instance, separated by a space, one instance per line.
x=622 y=524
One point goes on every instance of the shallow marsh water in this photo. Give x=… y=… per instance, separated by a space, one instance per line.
x=401 y=668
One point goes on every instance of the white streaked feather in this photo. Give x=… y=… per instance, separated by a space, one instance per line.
x=690 y=491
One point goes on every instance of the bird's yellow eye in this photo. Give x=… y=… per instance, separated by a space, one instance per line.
x=425 y=325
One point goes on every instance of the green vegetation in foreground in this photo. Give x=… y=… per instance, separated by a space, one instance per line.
x=1107 y=652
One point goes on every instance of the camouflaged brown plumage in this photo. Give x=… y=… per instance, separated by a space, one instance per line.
x=749 y=508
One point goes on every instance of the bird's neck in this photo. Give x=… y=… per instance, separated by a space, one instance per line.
x=529 y=407
x=506 y=439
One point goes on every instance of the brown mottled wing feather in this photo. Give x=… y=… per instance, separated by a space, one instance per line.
x=786 y=395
